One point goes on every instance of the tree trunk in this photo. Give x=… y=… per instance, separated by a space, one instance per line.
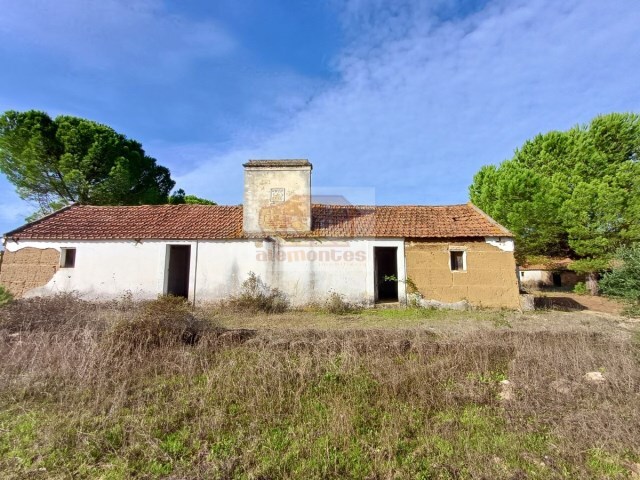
x=592 y=283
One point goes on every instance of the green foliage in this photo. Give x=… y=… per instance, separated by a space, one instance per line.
x=574 y=193
x=580 y=288
x=623 y=281
x=179 y=197
x=586 y=265
x=55 y=162
x=409 y=283
x=5 y=296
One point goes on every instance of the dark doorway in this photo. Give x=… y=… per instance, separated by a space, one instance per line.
x=178 y=272
x=386 y=273
x=557 y=279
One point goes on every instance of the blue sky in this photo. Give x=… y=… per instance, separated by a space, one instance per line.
x=402 y=100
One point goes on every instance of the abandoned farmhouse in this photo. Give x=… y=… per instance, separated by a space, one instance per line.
x=368 y=254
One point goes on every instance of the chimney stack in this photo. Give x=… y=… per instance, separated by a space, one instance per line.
x=277 y=196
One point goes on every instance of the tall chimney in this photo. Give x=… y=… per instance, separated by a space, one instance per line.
x=277 y=196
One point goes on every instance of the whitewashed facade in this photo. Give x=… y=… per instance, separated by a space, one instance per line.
x=305 y=270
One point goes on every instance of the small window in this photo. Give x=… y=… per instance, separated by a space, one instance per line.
x=457 y=261
x=68 y=257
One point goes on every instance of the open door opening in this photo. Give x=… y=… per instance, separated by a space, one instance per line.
x=178 y=271
x=386 y=273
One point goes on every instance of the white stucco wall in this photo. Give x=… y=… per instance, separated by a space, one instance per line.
x=306 y=270
x=536 y=278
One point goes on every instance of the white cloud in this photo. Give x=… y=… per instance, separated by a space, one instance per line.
x=422 y=104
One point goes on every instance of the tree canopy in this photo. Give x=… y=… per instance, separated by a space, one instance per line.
x=180 y=197
x=574 y=193
x=623 y=281
x=55 y=162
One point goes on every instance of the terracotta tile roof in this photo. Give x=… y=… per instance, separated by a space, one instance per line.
x=161 y=222
x=200 y=222
x=415 y=221
x=548 y=264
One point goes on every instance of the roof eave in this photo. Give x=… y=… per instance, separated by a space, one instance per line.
x=507 y=232
x=35 y=222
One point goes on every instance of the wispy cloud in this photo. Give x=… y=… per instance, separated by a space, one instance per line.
x=423 y=103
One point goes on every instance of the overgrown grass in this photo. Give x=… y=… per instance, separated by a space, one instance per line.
x=337 y=304
x=5 y=296
x=256 y=296
x=349 y=403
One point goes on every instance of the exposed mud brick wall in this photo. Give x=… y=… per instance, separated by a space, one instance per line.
x=490 y=279
x=28 y=268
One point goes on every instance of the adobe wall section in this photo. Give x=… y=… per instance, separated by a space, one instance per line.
x=28 y=268
x=489 y=280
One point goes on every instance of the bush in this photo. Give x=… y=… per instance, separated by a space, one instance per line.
x=5 y=296
x=623 y=281
x=255 y=296
x=580 y=288
x=52 y=313
x=337 y=304
x=158 y=323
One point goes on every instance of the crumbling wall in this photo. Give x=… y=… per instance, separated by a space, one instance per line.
x=489 y=280
x=28 y=268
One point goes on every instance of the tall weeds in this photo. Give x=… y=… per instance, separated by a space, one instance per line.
x=115 y=393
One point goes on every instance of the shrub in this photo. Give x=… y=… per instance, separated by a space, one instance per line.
x=5 y=296
x=158 y=323
x=623 y=281
x=580 y=288
x=337 y=304
x=255 y=296
x=52 y=313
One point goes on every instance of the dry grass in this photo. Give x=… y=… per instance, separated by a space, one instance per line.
x=82 y=397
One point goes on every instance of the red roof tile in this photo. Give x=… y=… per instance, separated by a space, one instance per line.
x=200 y=222
x=548 y=263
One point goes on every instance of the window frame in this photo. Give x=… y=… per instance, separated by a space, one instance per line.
x=67 y=261
x=453 y=250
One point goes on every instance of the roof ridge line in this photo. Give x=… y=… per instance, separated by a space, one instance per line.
x=390 y=206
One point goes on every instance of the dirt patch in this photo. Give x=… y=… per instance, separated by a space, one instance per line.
x=440 y=323
x=572 y=301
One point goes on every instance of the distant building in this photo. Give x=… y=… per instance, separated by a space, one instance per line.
x=549 y=273
x=367 y=253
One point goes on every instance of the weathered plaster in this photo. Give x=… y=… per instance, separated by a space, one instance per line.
x=28 y=268
x=306 y=270
x=277 y=199
x=504 y=244
x=489 y=279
